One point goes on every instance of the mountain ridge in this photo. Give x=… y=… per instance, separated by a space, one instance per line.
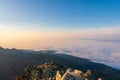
x=14 y=61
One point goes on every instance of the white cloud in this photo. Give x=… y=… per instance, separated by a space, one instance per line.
x=107 y=52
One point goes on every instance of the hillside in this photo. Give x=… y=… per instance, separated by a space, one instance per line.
x=13 y=62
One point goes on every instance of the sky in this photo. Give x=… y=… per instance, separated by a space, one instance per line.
x=39 y=24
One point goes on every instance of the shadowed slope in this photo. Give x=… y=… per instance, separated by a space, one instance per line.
x=13 y=62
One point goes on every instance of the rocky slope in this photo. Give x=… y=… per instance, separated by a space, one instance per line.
x=13 y=62
x=51 y=71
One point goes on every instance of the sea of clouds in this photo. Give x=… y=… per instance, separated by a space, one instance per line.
x=100 y=51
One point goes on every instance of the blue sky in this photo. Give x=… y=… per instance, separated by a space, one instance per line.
x=67 y=14
x=43 y=20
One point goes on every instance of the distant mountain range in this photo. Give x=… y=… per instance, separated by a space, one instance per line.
x=13 y=62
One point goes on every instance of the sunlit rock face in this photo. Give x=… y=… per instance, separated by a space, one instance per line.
x=73 y=74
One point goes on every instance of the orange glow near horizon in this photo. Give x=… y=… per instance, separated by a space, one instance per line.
x=36 y=39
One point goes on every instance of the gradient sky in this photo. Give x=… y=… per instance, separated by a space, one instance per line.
x=36 y=24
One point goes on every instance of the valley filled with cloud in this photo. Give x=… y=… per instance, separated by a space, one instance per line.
x=100 y=51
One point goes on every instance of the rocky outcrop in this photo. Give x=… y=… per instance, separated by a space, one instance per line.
x=46 y=71
x=51 y=71
x=74 y=74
